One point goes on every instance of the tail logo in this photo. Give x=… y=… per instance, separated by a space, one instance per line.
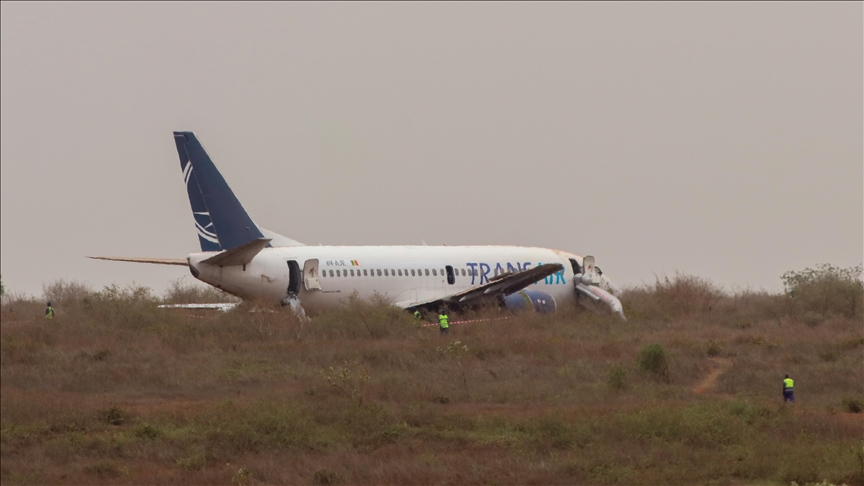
x=206 y=232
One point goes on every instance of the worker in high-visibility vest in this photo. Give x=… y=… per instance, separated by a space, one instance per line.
x=444 y=322
x=788 y=390
x=49 y=312
x=417 y=316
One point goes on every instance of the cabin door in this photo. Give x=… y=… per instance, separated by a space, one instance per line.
x=310 y=275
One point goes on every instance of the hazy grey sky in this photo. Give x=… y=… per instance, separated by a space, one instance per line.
x=722 y=140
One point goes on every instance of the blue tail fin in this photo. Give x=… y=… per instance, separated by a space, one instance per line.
x=220 y=219
x=203 y=224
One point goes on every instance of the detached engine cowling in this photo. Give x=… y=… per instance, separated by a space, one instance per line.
x=530 y=300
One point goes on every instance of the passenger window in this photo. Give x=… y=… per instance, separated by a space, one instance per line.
x=379 y=272
x=412 y=272
x=352 y=272
x=386 y=273
x=442 y=272
x=463 y=273
x=427 y=272
x=338 y=274
x=331 y=273
x=434 y=273
x=364 y=272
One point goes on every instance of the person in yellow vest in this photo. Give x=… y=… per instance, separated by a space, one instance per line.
x=788 y=390
x=49 y=312
x=444 y=322
x=417 y=317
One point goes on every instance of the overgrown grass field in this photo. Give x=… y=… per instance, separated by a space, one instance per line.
x=688 y=390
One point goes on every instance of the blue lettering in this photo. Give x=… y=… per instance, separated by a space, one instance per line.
x=473 y=271
x=498 y=269
x=546 y=280
x=526 y=265
x=484 y=272
x=511 y=269
x=559 y=277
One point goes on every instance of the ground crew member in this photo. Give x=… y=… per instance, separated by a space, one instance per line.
x=788 y=392
x=49 y=312
x=417 y=316
x=444 y=322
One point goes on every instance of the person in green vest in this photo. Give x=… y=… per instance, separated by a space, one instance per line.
x=49 y=312
x=444 y=322
x=788 y=390
x=417 y=317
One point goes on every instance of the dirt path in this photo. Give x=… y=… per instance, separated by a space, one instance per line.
x=710 y=381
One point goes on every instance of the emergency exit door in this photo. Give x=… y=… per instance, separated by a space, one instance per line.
x=310 y=275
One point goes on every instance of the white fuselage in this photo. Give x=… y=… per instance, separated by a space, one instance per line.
x=327 y=275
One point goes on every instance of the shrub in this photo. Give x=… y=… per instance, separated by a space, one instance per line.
x=667 y=298
x=113 y=416
x=326 y=477
x=358 y=318
x=182 y=291
x=826 y=290
x=714 y=348
x=350 y=379
x=617 y=378
x=652 y=358
x=853 y=405
x=147 y=431
x=65 y=293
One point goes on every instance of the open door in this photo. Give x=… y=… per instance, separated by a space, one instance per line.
x=310 y=275
x=293 y=278
x=451 y=278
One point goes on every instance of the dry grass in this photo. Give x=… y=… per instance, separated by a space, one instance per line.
x=114 y=390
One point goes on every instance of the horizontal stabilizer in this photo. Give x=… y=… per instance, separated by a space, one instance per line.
x=155 y=261
x=241 y=255
x=278 y=240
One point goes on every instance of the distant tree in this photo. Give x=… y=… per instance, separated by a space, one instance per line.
x=652 y=358
x=2 y=288
x=826 y=289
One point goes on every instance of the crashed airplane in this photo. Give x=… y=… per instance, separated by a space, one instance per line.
x=250 y=262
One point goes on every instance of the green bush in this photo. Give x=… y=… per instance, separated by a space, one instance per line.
x=853 y=405
x=714 y=348
x=113 y=416
x=617 y=378
x=826 y=290
x=326 y=477
x=652 y=358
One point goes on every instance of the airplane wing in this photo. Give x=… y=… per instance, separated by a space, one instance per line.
x=501 y=286
x=156 y=261
x=222 y=307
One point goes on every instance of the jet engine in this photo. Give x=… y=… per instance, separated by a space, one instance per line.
x=530 y=300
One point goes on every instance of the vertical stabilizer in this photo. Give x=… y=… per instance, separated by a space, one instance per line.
x=221 y=214
x=203 y=223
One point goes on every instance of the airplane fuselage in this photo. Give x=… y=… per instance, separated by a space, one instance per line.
x=326 y=275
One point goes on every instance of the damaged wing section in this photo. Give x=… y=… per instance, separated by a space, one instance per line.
x=222 y=307
x=494 y=290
